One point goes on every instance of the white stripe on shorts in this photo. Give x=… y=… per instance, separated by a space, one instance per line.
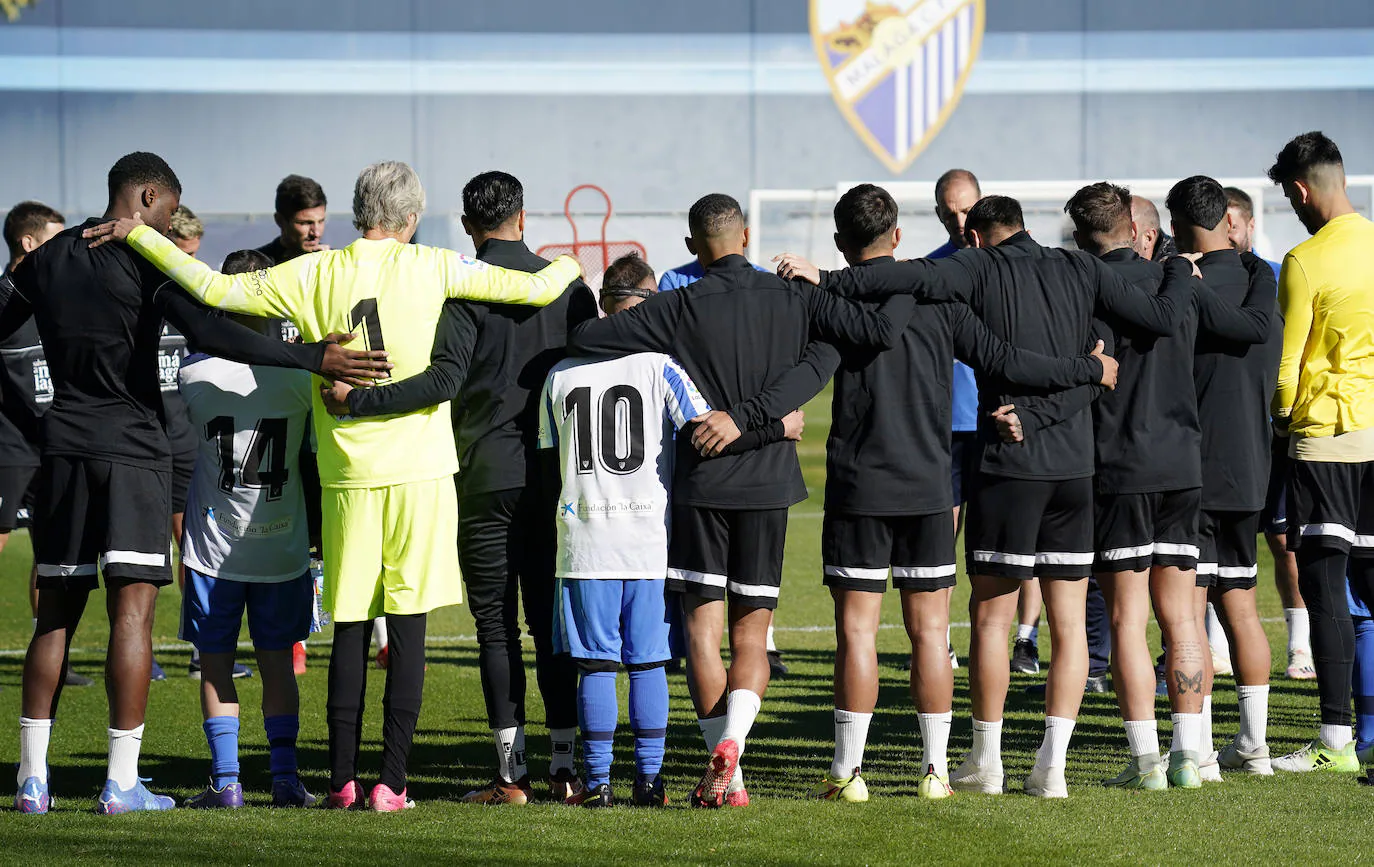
x=1009 y=559
x=1237 y=571
x=1339 y=531
x=923 y=571
x=692 y=577
x=861 y=572
x=1206 y=569
x=1127 y=553
x=1177 y=549
x=1063 y=558
x=132 y=558
x=48 y=570
x=758 y=590
x=1363 y=542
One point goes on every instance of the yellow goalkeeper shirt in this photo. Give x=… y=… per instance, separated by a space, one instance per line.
x=391 y=295
x=1326 y=295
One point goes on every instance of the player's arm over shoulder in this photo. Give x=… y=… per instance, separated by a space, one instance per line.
x=277 y=291
x=466 y=277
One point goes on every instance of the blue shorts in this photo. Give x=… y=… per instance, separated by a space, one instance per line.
x=278 y=613
x=1358 y=607
x=611 y=621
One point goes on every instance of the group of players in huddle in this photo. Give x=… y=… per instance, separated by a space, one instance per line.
x=629 y=474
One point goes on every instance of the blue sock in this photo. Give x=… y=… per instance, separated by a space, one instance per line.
x=1364 y=683
x=222 y=733
x=281 y=739
x=649 y=718
x=597 y=710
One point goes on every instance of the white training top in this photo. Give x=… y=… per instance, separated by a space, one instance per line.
x=245 y=513
x=613 y=422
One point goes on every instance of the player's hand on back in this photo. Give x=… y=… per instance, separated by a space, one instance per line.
x=358 y=368
x=1008 y=425
x=793 y=424
x=576 y=261
x=114 y=230
x=794 y=267
x=335 y=398
x=715 y=430
x=1110 y=366
x=1192 y=258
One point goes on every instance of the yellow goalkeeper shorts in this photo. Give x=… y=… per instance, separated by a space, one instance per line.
x=390 y=550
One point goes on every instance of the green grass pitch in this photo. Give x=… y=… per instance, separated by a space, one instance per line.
x=1316 y=818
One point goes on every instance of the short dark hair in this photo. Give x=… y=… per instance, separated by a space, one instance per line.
x=1102 y=212
x=1197 y=201
x=27 y=218
x=712 y=214
x=491 y=199
x=864 y=214
x=624 y=275
x=140 y=168
x=298 y=193
x=994 y=211
x=1240 y=200
x=950 y=177
x=1297 y=160
x=245 y=262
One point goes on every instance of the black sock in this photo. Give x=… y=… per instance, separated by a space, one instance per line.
x=1321 y=579
x=348 y=660
x=405 y=684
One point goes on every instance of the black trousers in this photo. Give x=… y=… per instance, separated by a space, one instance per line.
x=507 y=544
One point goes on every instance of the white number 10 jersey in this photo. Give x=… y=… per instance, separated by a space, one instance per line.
x=613 y=421
x=245 y=512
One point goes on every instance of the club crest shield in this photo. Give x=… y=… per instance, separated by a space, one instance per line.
x=897 y=70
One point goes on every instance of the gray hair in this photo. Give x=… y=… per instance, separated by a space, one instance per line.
x=385 y=195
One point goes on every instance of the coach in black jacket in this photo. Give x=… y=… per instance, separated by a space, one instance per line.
x=734 y=331
x=491 y=361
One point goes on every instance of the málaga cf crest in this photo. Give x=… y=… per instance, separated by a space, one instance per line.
x=897 y=70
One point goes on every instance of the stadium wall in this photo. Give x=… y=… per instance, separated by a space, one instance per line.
x=656 y=101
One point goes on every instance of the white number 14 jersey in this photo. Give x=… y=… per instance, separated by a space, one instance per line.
x=613 y=422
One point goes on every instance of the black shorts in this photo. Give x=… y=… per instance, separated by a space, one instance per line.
x=1274 y=515
x=183 y=465
x=858 y=549
x=16 y=484
x=1137 y=531
x=720 y=553
x=1229 y=551
x=96 y=514
x=1331 y=505
x=1024 y=528
x=963 y=453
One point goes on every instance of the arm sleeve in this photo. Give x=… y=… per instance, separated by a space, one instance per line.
x=211 y=332
x=1159 y=313
x=448 y=367
x=1295 y=303
x=756 y=439
x=1038 y=413
x=279 y=291
x=790 y=389
x=979 y=348
x=950 y=279
x=548 y=425
x=15 y=308
x=837 y=320
x=647 y=327
x=683 y=399
x=581 y=304
x=1248 y=323
x=466 y=277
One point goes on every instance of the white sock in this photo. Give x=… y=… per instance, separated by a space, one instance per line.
x=379 y=631
x=741 y=707
x=563 y=741
x=1216 y=634
x=768 y=643
x=711 y=730
x=1024 y=631
x=851 y=733
x=1142 y=736
x=34 y=735
x=1299 y=629
x=1254 y=716
x=987 y=744
x=935 y=741
x=1335 y=737
x=1187 y=733
x=1206 y=746
x=510 y=752
x=125 y=745
x=1054 y=749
